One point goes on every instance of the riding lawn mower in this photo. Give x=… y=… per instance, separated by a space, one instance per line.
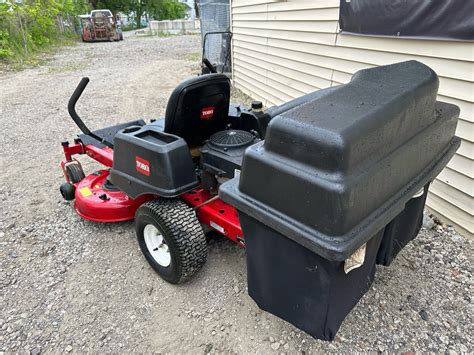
x=318 y=190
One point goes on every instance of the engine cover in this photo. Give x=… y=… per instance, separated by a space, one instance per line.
x=223 y=153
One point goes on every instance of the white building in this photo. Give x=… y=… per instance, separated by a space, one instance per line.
x=284 y=49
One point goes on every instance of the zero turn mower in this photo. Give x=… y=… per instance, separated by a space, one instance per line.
x=319 y=190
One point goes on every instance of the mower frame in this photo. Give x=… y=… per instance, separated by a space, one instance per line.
x=211 y=211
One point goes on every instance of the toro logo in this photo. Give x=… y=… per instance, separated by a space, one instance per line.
x=207 y=113
x=142 y=166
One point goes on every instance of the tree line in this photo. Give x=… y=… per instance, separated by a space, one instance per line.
x=29 y=26
x=156 y=9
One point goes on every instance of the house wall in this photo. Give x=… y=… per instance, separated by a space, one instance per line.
x=284 y=49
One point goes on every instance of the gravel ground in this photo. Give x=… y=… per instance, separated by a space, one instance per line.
x=67 y=284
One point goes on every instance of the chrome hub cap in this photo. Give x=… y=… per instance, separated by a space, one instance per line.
x=156 y=245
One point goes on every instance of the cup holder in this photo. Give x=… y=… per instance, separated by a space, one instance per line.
x=131 y=129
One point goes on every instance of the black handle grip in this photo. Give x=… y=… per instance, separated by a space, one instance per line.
x=208 y=64
x=71 y=107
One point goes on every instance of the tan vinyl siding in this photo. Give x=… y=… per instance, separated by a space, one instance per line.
x=284 y=49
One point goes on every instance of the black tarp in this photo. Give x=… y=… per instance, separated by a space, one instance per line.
x=449 y=19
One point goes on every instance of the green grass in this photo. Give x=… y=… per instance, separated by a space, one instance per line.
x=193 y=57
x=67 y=68
x=36 y=56
x=159 y=34
x=166 y=35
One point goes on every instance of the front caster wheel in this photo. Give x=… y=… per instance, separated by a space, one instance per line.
x=68 y=191
x=171 y=239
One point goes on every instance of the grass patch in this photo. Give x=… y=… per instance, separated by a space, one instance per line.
x=166 y=35
x=148 y=33
x=67 y=68
x=193 y=57
x=35 y=56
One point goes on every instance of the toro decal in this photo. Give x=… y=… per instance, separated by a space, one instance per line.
x=143 y=166
x=207 y=113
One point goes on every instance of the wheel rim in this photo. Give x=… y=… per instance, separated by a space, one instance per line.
x=156 y=245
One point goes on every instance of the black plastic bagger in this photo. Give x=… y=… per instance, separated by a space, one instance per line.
x=314 y=199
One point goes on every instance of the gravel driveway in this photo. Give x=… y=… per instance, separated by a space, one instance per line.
x=67 y=284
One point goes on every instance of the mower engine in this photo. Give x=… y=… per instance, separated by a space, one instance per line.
x=221 y=157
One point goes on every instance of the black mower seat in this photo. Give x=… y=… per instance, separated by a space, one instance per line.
x=198 y=108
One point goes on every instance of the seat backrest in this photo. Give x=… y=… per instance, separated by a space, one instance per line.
x=198 y=107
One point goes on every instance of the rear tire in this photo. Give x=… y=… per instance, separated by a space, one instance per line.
x=171 y=226
x=74 y=172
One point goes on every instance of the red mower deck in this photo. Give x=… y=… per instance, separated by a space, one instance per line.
x=97 y=203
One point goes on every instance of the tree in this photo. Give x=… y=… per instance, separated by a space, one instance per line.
x=28 y=26
x=138 y=7
x=196 y=8
x=158 y=9
x=167 y=9
x=112 y=5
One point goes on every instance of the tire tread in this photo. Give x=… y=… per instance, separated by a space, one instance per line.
x=181 y=224
x=75 y=172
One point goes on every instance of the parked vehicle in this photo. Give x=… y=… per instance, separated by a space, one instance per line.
x=319 y=190
x=100 y=25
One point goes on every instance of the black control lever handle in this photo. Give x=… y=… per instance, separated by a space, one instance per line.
x=209 y=66
x=71 y=107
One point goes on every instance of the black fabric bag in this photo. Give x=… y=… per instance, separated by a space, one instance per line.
x=402 y=229
x=297 y=285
